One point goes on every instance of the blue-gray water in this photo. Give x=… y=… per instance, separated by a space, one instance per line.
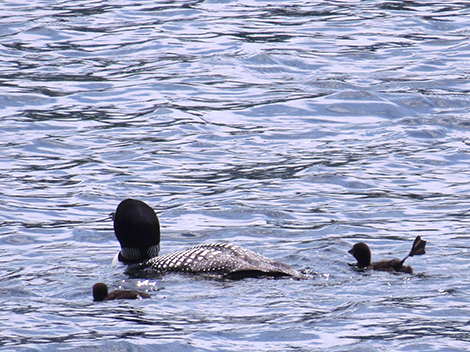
x=292 y=128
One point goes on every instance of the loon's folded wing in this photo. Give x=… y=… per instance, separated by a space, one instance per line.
x=228 y=260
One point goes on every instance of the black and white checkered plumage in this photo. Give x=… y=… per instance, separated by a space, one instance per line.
x=222 y=259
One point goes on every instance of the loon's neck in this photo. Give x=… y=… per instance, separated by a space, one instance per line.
x=136 y=255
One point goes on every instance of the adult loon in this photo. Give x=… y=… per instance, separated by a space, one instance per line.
x=138 y=231
x=361 y=252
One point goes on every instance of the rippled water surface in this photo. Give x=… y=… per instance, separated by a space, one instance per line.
x=293 y=128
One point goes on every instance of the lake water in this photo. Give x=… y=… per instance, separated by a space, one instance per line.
x=292 y=128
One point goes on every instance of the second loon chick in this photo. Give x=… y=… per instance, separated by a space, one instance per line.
x=137 y=228
x=361 y=252
x=100 y=293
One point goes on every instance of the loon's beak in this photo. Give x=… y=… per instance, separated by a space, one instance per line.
x=115 y=259
x=111 y=215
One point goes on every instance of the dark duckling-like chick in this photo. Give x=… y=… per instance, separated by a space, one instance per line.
x=100 y=293
x=361 y=252
x=138 y=231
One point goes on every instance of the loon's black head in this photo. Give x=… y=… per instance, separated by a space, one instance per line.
x=138 y=231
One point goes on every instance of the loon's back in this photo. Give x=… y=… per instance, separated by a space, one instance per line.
x=221 y=259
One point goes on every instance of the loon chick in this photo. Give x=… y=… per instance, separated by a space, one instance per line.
x=361 y=252
x=100 y=293
x=138 y=231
